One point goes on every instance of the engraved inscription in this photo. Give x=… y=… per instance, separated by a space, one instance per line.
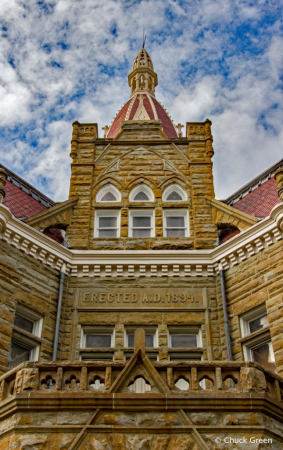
x=141 y=297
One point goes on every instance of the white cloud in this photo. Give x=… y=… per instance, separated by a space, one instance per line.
x=59 y=61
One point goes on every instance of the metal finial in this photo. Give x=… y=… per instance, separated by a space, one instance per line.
x=143 y=39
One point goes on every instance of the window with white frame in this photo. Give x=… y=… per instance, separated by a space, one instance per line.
x=151 y=337
x=257 y=345
x=107 y=223
x=98 y=343
x=141 y=223
x=98 y=337
x=174 y=193
x=175 y=223
x=25 y=343
x=184 y=337
x=108 y=193
x=141 y=193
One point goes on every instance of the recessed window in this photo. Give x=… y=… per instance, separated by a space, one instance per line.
x=24 y=346
x=174 y=193
x=108 y=193
x=24 y=323
x=141 y=193
x=150 y=337
x=185 y=356
x=257 y=344
x=141 y=223
x=258 y=324
x=176 y=223
x=253 y=320
x=184 y=337
x=107 y=224
x=97 y=337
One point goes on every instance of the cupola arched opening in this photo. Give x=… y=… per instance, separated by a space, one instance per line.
x=108 y=193
x=141 y=193
x=174 y=193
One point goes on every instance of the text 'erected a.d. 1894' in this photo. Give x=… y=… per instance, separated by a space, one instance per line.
x=141 y=297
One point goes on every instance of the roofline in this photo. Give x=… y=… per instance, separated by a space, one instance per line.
x=253 y=184
x=13 y=177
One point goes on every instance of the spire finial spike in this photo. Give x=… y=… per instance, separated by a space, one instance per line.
x=143 y=39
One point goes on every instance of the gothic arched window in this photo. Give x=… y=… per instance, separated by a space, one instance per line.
x=174 y=193
x=108 y=193
x=141 y=193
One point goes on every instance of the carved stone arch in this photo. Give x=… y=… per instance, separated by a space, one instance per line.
x=141 y=180
x=174 y=179
x=101 y=183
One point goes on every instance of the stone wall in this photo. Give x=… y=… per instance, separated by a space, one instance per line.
x=141 y=302
x=26 y=282
x=254 y=282
x=141 y=153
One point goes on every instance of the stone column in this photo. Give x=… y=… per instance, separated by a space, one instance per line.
x=279 y=180
x=208 y=138
x=3 y=178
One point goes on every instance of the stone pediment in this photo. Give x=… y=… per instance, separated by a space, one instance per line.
x=57 y=215
x=224 y=214
x=141 y=129
x=142 y=156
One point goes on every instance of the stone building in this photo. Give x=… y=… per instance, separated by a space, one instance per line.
x=141 y=313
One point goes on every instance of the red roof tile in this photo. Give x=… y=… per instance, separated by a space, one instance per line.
x=260 y=201
x=116 y=125
x=167 y=124
x=20 y=203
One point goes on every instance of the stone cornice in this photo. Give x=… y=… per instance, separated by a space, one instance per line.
x=58 y=214
x=226 y=214
x=142 y=263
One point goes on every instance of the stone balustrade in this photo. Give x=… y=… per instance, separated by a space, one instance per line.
x=185 y=378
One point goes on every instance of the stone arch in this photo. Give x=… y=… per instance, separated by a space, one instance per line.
x=103 y=182
x=174 y=179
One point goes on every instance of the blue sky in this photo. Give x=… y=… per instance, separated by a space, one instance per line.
x=66 y=60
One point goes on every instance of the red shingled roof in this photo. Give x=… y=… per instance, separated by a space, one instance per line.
x=153 y=110
x=260 y=201
x=20 y=203
x=116 y=125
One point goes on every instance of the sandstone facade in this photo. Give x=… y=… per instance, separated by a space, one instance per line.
x=159 y=378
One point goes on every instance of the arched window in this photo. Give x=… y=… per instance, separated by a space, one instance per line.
x=108 y=193
x=174 y=193
x=141 y=193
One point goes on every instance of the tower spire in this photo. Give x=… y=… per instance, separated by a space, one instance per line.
x=142 y=77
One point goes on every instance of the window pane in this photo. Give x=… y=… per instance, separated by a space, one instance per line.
x=98 y=340
x=173 y=232
x=107 y=222
x=17 y=355
x=131 y=340
x=141 y=233
x=259 y=323
x=175 y=222
x=24 y=323
x=141 y=196
x=141 y=221
x=148 y=340
x=107 y=233
x=184 y=340
x=109 y=197
x=174 y=196
x=262 y=356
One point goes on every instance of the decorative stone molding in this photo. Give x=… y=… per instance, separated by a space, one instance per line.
x=279 y=180
x=3 y=178
x=57 y=215
x=142 y=263
x=224 y=214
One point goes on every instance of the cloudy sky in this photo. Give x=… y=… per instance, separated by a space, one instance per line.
x=66 y=60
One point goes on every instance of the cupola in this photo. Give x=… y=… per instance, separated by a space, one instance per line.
x=142 y=77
